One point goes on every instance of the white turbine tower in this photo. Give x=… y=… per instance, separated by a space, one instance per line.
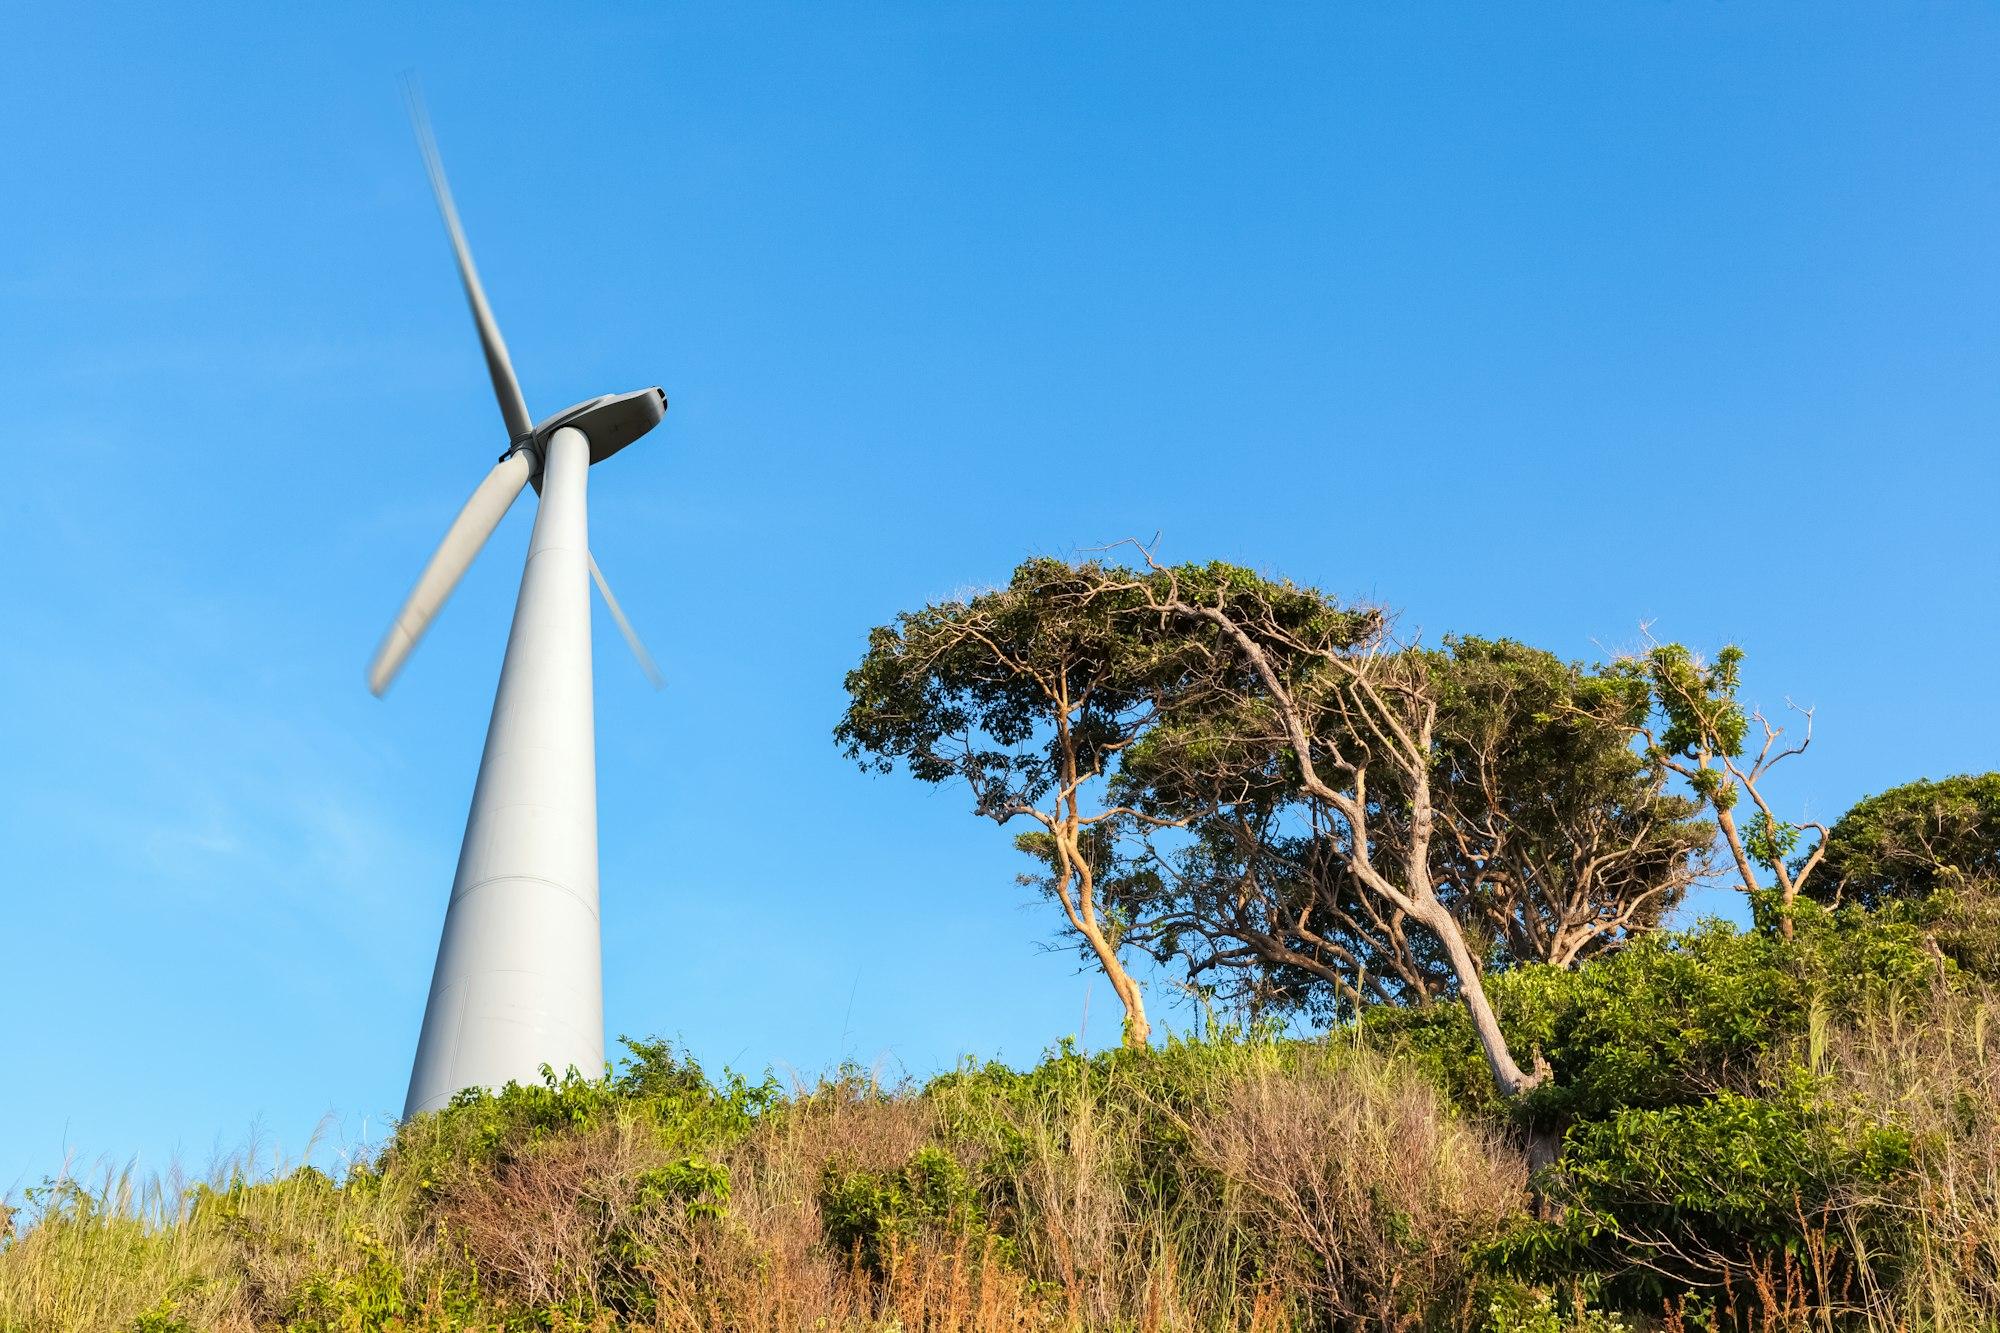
x=518 y=982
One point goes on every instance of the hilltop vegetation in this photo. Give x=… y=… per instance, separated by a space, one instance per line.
x=1528 y=1106
x=1753 y=1132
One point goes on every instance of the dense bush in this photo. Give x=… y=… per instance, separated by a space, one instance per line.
x=874 y=1215
x=1717 y=1195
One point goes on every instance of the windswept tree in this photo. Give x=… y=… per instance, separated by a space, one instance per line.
x=1029 y=695
x=1296 y=704
x=1380 y=820
x=1254 y=778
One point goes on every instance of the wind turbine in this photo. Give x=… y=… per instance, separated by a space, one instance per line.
x=519 y=976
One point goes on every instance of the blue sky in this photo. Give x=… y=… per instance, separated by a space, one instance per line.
x=1549 y=322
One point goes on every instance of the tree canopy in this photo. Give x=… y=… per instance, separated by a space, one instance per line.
x=1552 y=838
x=1262 y=786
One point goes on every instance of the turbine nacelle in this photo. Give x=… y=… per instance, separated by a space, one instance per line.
x=610 y=421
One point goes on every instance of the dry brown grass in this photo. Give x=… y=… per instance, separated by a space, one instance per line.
x=947 y=1289
x=552 y=1225
x=766 y=1267
x=536 y=1228
x=1934 y=1072
x=1368 y=1192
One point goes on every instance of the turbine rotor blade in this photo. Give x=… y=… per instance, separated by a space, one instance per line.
x=462 y=541
x=646 y=663
x=506 y=388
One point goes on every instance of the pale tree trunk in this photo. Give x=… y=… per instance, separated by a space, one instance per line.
x=1137 y=1031
x=1508 y=1075
x=1067 y=828
x=1413 y=750
x=1083 y=916
x=1084 y=920
x=1725 y=819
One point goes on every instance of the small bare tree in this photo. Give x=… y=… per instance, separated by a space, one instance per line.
x=1702 y=733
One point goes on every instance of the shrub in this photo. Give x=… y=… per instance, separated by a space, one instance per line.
x=162 y=1318
x=1669 y=1019
x=1514 y=1308
x=669 y=1094
x=1961 y=921
x=1718 y=1194
x=875 y=1215
x=1912 y=840
x=1781 y=1134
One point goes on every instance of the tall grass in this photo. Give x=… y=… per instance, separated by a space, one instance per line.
x=1202 y=1187
x=1934 y=1071
x=121 y=1252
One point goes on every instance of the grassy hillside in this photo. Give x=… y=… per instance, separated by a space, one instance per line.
x=1743 y=1131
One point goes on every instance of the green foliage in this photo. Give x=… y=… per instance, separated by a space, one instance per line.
x=162 y=1318
x=1696 y=1147
x=653 y=1074
x=1671 y=1017
x=1914 y=840
x=992 y=689
x=1549 y=805
x=1663 y=1201
x=1737 y=1168
x=670 y=1094
x=1961 y=920
x=1769 y=842
x=1657 y=1023
x=1518 y=1308
x=367 y=1297
x=695 y=1185
x=870 y=1215
x=1550 y=835
x=1702 y=719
